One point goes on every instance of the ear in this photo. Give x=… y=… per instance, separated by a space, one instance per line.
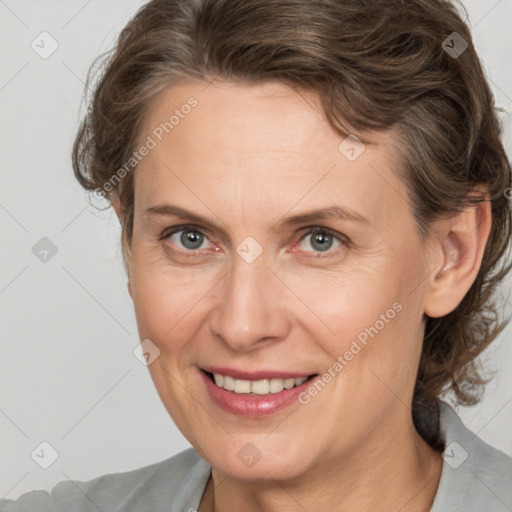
x=458 y=247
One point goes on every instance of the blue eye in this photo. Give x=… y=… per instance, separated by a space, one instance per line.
x=317 y=240
x=189 y=238
x=321 y=240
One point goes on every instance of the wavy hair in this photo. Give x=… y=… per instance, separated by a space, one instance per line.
x=376 y=65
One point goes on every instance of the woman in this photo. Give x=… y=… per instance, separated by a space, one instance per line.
x=315 y=218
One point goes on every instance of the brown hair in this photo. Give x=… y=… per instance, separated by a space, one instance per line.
x=375 y=65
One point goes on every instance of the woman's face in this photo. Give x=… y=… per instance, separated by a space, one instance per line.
x=234 y=269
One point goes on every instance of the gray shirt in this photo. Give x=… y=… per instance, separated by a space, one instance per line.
x=475 y=478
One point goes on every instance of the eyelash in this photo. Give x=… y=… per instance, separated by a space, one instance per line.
x=313 y=230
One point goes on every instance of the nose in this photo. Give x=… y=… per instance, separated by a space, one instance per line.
x=250 y=309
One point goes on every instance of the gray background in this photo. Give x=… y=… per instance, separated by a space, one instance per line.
x=68 y=373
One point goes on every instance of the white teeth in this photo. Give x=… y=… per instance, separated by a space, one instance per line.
x=275 y=385
x=289 y=383
x=258 y=387
x=242 y=386
x=300 y=380
x=229 y=383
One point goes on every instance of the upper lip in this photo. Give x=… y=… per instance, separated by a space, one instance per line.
x=256 y=375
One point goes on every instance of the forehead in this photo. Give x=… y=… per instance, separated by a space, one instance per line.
x=263 y=118
x=249 y=145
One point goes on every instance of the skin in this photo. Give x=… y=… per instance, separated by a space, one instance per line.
x=246 y=158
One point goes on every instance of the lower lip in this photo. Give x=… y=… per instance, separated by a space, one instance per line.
x=254 y=406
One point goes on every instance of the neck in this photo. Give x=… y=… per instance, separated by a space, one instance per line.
x=394 y=470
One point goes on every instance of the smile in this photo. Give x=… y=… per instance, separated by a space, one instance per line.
x=258 y=394
x=257 y=387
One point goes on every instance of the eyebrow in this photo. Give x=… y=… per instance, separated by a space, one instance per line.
x=331 y=212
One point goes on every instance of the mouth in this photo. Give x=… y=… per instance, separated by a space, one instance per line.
x=255 y=394
x=265 y=386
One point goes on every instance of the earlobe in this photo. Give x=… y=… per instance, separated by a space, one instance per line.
x=460 y=247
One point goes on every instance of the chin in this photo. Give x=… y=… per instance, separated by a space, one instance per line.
x=248 y=462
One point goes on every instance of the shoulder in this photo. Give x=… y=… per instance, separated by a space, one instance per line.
x=176 y=483
x=475 y=475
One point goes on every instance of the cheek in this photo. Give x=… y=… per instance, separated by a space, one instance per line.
x=167 y=301
x=343 y=304
x=364 y=318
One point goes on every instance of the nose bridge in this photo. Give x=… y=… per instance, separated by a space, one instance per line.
x=249 y=309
